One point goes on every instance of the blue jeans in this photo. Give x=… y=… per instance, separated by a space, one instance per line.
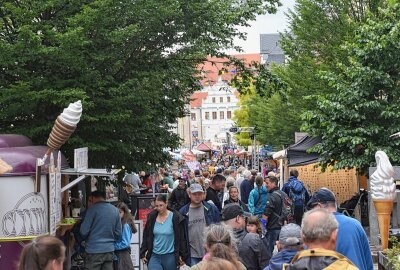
x=194 y=260
x=271 y=237
x=162 y=262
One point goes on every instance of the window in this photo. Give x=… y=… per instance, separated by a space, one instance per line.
x=228 y=99
x=193 y=116
x=213 y=100
x=221 y=115
x=207 y=115
x=221 y=99
x=214 y=115
x=229 y=114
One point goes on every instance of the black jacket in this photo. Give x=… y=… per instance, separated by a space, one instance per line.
x=274 y=205
x=178 y=198
x=212 y=195
x=181 y=246
x=242 y=205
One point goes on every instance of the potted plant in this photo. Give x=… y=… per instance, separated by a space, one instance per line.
x=393 y=253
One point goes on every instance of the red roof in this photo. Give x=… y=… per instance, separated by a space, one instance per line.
x=214 y=65
x=203 y=147
x=197 y=99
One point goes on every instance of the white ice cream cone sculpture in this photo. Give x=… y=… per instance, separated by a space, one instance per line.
x=383 y=192
x=59 y=134
x=383 y=210
x=65 y=125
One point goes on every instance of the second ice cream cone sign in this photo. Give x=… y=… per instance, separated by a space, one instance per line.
x=383 y=192
x=4 y=167
x=65 y=125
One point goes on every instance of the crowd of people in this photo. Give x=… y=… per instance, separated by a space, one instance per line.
x=259 y=229
x=226 y=218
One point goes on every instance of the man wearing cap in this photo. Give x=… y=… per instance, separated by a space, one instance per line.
x=319 y=230
x=289 y=244
x=352 y=240
x=198 y=214
x=252 y=252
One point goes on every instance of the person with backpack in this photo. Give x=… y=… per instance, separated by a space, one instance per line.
x=274 y=213
x=297 y=192
x=258 y=198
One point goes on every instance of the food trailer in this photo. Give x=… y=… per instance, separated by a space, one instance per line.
x=24 y=211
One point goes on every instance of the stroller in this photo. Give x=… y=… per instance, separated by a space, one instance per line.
x=348 y=207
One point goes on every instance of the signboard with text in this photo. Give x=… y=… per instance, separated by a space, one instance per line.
x=81 y=159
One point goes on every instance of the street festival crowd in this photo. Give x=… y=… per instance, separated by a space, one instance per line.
x=220 y=216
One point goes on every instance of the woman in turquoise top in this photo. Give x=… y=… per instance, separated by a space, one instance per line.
x=123 y=246
x=164 y=244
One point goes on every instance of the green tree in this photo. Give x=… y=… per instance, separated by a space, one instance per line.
x=317 y=30
x=132 y=63
x=357 y=118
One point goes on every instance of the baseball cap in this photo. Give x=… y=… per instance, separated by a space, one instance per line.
x=321 y=196
x=290 y=235
x=196 y=188
x=233 y=210
x=219 y=170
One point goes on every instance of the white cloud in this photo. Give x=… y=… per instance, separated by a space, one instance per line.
x=264 y=24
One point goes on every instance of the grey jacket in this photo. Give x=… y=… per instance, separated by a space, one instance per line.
x=252 y=251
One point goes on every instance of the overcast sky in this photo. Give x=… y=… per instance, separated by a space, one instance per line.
x=265 y=24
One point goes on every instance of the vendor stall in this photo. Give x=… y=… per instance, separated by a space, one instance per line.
x=24 y=213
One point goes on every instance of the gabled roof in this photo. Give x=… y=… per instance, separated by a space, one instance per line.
x=196 y=100
x=203 y=147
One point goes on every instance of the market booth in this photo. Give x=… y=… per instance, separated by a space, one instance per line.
x=35 y=200
x=24 y=208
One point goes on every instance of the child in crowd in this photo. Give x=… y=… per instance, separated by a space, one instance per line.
x=44 y=252
x=253 y=225
x=123 y=246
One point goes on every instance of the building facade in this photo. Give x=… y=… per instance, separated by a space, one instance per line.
x=212 y=108
x=211 y=113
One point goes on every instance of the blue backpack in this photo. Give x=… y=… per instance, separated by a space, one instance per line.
x=297 y=192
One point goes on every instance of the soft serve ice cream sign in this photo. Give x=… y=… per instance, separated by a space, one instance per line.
x=383 y=193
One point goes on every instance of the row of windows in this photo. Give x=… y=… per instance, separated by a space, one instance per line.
x=221 y=99
x=214 y=115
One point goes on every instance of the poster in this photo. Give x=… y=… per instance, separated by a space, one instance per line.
x=58 y=197
x=144 y=207
x=53 y=204
x=136 y=242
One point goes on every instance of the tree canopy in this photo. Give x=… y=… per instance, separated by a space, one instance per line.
x=132 y=63
x=313 y=44
x=357 y=118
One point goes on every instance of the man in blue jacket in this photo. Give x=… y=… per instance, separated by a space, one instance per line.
x=198 y=214
x=100 y=229
x=297 y=192
x=351 y=241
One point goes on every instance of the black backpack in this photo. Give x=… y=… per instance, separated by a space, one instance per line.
x=287 y=214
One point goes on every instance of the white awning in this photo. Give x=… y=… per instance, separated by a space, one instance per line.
x=280 y=154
